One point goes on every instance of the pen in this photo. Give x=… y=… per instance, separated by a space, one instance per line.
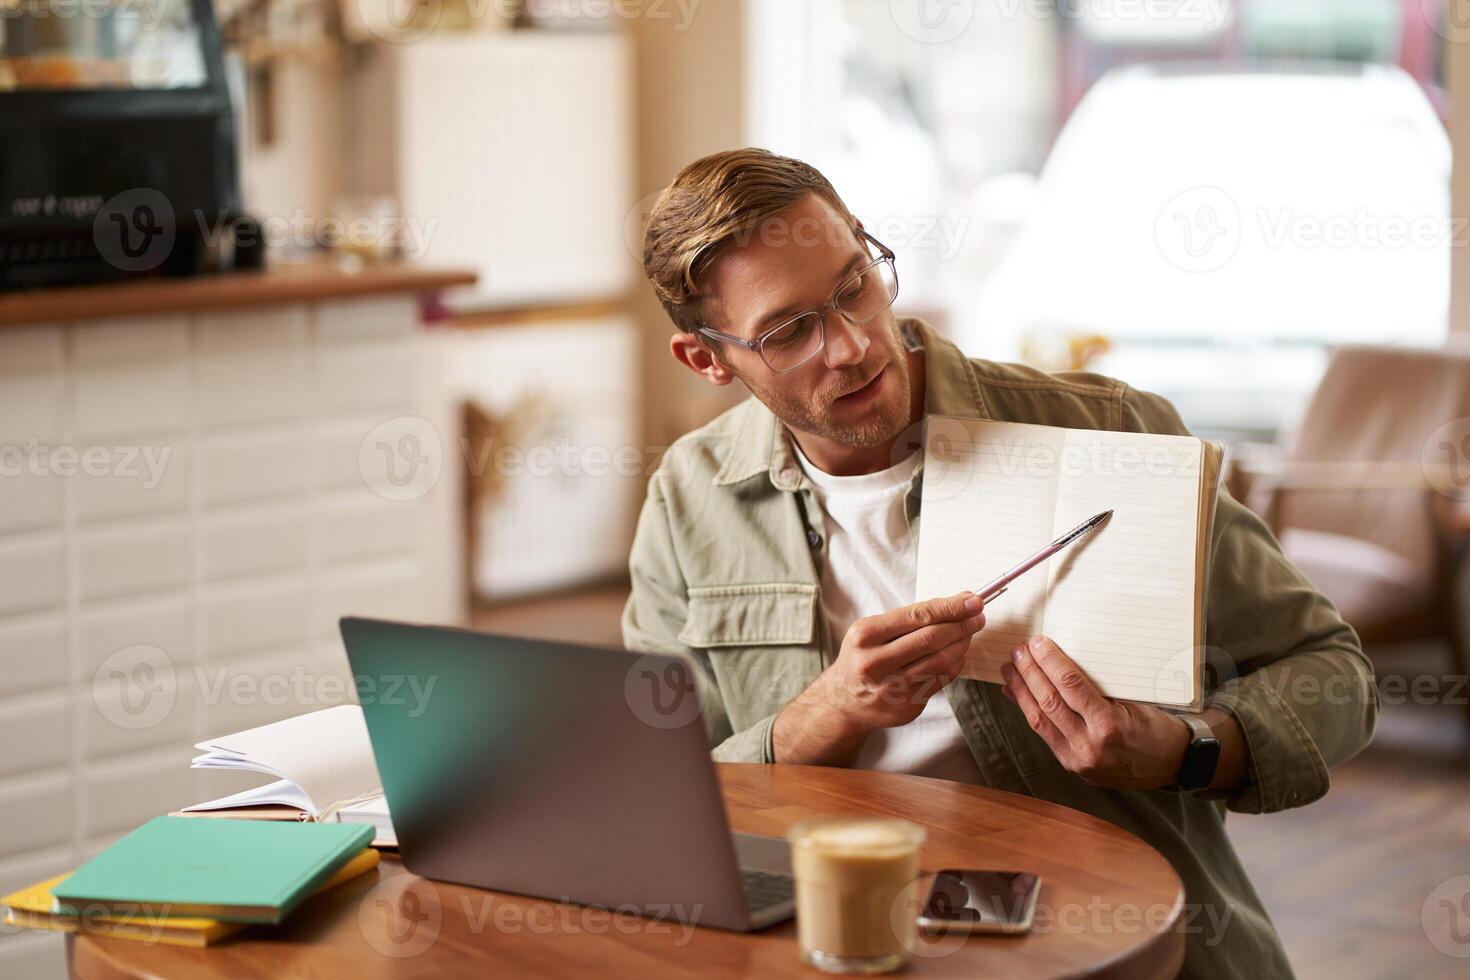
x=998 y=585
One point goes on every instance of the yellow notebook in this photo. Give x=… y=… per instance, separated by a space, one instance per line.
x=30 y=908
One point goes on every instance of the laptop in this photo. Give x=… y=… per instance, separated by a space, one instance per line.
x=566 y=772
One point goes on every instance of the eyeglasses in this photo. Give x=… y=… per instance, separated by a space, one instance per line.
x=861 y=297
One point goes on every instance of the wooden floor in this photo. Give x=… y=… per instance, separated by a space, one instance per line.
x=589 y=616
x=1346 y=879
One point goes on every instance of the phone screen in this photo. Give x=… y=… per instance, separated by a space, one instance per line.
x=996 y=900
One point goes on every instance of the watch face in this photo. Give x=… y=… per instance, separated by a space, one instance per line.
x=1200 y=760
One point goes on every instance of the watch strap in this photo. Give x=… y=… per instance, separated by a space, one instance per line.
x=1198 y=727
x=1201 y=734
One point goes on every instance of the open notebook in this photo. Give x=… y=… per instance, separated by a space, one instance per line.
x=324 y=766
x=1127 y=601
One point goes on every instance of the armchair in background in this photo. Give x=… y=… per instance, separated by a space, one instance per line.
x=1376 y=515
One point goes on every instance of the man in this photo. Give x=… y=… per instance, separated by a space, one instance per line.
x=776 y=553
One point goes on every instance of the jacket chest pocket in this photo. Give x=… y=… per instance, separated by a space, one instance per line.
x=761 y=641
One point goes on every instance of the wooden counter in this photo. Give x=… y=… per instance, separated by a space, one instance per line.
x=281 y=284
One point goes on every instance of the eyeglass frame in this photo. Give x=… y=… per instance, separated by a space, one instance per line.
x=885 y=254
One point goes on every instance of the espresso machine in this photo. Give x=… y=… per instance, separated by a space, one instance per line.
x=118 y=153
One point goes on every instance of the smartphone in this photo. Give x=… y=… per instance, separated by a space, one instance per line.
x=981 y=901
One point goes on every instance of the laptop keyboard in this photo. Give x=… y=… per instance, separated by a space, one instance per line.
x=764 y=889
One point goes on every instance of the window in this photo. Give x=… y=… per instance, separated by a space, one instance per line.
x=1198 y=197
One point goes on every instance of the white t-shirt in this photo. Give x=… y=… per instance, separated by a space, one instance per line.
x=870 y=568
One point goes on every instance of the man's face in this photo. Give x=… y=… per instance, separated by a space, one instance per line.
x=856 y=390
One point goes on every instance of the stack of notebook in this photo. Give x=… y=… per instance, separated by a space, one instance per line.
x=324 y=766
x=192 y=882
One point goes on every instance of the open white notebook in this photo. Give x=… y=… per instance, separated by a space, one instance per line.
x=324 y=766
x=1127 y=601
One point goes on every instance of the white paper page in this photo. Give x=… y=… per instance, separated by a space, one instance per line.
x=373 y=812
x=1121 y=601
x=987 y=505
x=280 y=793
x=326 y=753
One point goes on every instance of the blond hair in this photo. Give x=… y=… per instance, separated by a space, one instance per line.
x=718 y=199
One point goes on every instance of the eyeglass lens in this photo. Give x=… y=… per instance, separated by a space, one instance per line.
x=859 y=299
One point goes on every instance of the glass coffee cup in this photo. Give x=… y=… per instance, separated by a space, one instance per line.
x=851 y=873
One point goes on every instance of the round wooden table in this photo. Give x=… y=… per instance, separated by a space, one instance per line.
x=1110 y=905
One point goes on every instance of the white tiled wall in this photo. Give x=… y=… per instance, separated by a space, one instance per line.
x=227 y=565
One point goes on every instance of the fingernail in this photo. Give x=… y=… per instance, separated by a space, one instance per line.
x=1018 y=653
x=973 y=604
x=1036 y=642
x=1007 y=672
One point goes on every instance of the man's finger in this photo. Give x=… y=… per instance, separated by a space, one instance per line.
x=907 y=619
x=1016 y=690
x=944 y=663
x=1075 y=687
x=914 y=647
x=1048 y=698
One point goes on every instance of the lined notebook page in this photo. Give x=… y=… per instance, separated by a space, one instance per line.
x=1123 y=606
x=1121 y=602
x=989 y=495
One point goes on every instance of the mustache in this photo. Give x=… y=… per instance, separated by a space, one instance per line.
x=851 y=381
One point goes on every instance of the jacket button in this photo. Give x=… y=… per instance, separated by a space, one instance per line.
x=813 y=538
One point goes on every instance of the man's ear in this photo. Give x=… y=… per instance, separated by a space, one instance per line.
x=689 y=351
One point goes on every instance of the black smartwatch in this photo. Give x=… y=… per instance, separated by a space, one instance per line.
x=1200 y=758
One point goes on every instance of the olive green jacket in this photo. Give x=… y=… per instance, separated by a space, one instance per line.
x=726 y=567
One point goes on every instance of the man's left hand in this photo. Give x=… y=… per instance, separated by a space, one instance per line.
x=1109 y=743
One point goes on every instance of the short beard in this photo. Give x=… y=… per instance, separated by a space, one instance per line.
x=882 y=424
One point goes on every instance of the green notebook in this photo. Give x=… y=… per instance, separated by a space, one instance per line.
x=234 y=870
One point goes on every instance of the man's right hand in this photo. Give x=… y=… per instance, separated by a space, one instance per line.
x=889 y=666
